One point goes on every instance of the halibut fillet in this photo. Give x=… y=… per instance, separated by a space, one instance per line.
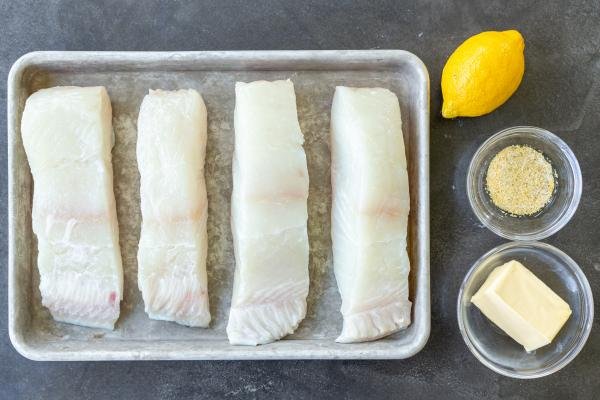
x=67 y=134
x=268 y=215
x=171 y=148
x=370 y=213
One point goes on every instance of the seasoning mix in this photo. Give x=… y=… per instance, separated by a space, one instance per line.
x=520 y=180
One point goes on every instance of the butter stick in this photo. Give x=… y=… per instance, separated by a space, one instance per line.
x=522 y=305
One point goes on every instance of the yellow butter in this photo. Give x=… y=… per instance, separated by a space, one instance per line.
x=522 y=305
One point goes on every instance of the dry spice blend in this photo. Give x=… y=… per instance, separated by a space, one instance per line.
x=520 y=180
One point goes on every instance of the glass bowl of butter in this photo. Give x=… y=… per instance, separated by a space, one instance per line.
x=525 y=309
x=524 y=183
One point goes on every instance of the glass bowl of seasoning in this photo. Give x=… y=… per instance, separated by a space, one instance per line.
x=524 y=183
x=491 y=340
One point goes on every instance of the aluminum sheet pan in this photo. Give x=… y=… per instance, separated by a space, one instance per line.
x=128 y=76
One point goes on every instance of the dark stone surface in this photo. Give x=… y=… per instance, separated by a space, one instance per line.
x=560 y=92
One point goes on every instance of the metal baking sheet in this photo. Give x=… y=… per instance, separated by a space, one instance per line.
x=128 y=76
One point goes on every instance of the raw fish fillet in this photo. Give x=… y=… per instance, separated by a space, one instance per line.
x=369 y=213
x=67 y=135
x=268 y=215
x=171 y=148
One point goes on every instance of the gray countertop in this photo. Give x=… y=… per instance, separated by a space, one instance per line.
x=560 y=92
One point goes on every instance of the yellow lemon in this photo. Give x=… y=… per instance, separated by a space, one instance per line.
x=482 y=73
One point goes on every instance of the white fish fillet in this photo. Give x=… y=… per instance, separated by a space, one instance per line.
x=171 y=148
x=369 y=213
x=67 y=135
x=269 y=215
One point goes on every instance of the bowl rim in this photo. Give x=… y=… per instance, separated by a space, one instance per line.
x=570 y=207
x=568 y=356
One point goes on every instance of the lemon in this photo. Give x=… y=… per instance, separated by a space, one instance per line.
x=482 y=73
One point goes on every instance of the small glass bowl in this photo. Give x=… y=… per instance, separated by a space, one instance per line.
x=555 y=214
x=494 y=348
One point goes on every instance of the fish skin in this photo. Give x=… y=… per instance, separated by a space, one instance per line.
x=369 y=213
x=171 y=149
x=268 y=215
x=68 y=137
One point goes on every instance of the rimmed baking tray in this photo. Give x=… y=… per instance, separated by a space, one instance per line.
x=128 y=76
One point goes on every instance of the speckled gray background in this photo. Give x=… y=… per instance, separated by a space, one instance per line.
x=560 y=92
